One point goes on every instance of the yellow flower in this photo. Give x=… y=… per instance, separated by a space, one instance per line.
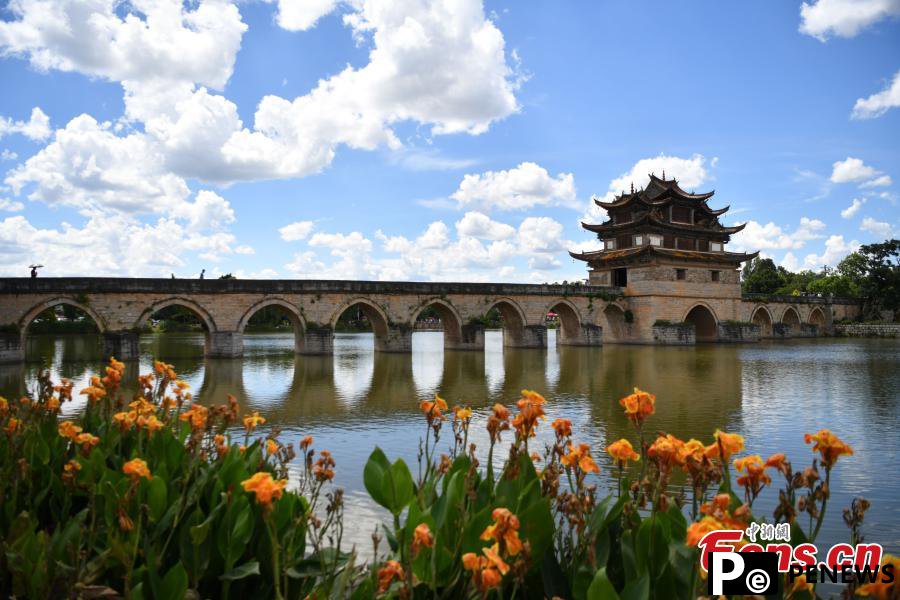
x=68 y=429
x=829 y=446
x=252 y=421
x=136 y=468
x=731 y=443
x=622 y=452
x=638 y=406
x=462 y=413
x=266 y=489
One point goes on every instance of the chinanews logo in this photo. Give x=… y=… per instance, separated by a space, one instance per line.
x=756 y=569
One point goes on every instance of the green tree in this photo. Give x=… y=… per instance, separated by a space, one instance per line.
x=761 y=276
x=881 y=285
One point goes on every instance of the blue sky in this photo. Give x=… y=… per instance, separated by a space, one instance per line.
x=455 y=140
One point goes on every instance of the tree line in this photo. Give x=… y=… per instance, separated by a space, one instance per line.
x=871 y=274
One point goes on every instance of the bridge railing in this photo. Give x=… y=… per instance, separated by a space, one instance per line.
x=801 y=299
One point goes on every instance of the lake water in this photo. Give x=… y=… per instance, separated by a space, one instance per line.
x=771 y=392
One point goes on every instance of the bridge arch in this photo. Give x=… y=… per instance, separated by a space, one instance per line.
x=569 y=320
x=291 y=311
x=817 y=317
x=791 y=317
x=705 y=322
x=616 y=328
x=450 y=319
x=762 y=317
x=201 y=313
x=37 y=309
x=513 y=320
x=374 y=313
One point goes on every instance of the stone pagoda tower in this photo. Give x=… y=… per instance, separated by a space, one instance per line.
x=666 y=248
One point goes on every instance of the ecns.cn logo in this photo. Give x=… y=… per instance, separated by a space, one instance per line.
x=741 y=573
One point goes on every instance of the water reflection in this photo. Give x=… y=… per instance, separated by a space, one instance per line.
x=772 y=393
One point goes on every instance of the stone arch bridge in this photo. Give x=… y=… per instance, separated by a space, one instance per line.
x=588 y=315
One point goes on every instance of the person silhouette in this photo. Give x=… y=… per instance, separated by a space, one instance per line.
x=173 y=275
x=202 y=273
x=34 y=270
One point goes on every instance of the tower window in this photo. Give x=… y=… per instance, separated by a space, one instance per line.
x=655 y=240
x=714 y=275
x=680 y=274
x=638 y=240
x=715 y=247
x=620 y=277
x=610 y=244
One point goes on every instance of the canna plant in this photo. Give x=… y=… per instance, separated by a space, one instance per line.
x=158 y=496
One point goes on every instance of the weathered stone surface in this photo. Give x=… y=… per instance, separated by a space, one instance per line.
x=122 y=345
x=675 y=334
x=738 y=332
x=883 y=330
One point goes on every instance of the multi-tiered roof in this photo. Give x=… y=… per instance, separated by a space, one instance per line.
x=662 y=219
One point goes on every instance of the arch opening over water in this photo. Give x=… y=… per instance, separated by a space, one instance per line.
x=173 y=322
x=274 y=315
x=361 y=316
x=763 y=319
x=439 y=315
x=511 y=319
x=567 y=320
x=61 y=322
x=704 y=321
x=791 y=317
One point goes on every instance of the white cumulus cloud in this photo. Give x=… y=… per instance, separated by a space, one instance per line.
x=300 y=15
x=850 y=211
x=843 y=18
x=756 y=236
x=36 y=128
x=879 y=103
x=479 y=225
x=879 y=229
x=298 y=230
x=525 y=186
x=854 y=170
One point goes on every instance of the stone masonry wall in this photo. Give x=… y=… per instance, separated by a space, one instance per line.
x=884 y=330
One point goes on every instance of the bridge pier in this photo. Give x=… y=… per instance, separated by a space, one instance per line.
x=225 y=344
x=529 y=336
x=123 y=345
x=472 y=338
x=588 y=335
x=12 y=348
x=317 y=341
x=396 y=339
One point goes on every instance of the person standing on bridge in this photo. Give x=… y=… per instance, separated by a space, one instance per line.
x=202 y=272
x=34 y=269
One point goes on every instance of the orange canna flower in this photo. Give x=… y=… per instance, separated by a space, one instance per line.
x=666 y=450
x=153 y=424
x=731 y=443
x=581 y=456
x=777 y=462
x=422 y=538
x=755 y=478
x=72 y=465
x=52 y=404
x=716 y=518
x=12 y=425
x=68 y=429
x=196 y=415
x=638 y=406
x=252 y=421
x=504 y=531
x=391 y=571
x=324 y=467
x=562 y=427
x=622 y=452
x=271 y=446
x=4 y=406
x=432 y=409
x=531 y=410
x=881 y=589
x=86 y=441
x=306 y=442
x=800 y=587
x=136 y=468
x=691 y=450
x=498 y=421
x=829 y=446
x=266 y=489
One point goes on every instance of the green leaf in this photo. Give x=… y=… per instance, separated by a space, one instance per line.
x=245 y=570
x=157 y=494
x=175 y=583
x=638 y=589
x=401 y=489
x=376 y=471
x=601 y=588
